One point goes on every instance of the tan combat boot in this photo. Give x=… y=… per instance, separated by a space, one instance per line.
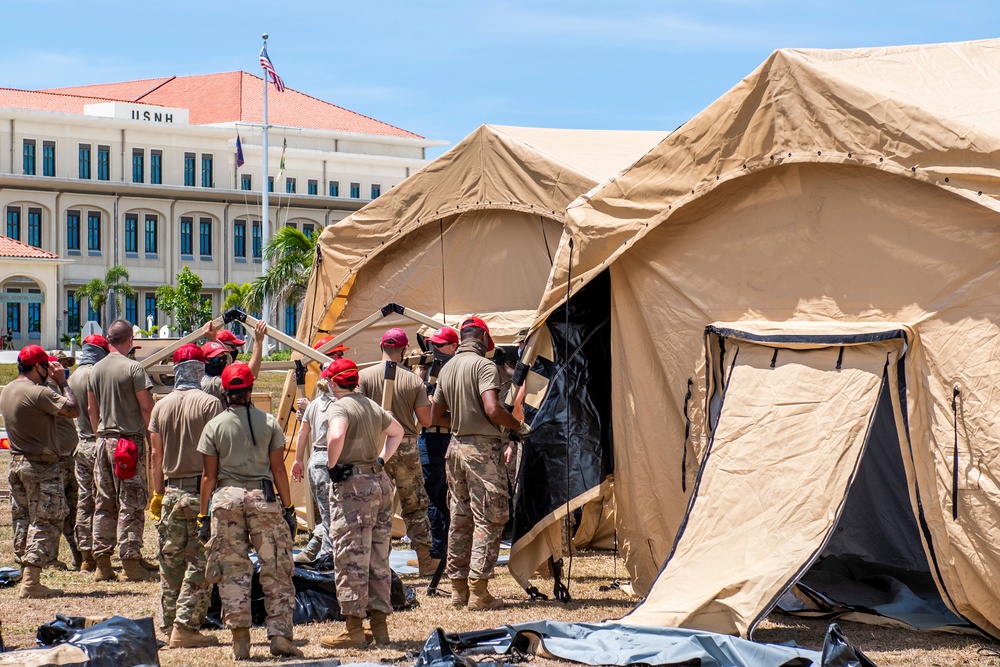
x=283 y=646
x=89 y=564
x=182 y=637
x=104 y=571
x=136 y=572
x=425 y=562
x=311 y=551
x=353 y=636
x=380 y=629
x=241 y=643
x=459 y=593
x=31 y=587
x=151 y=567
x=77 y=558
x=480 y=598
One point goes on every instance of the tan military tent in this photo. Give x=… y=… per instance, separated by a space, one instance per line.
x=816 y=256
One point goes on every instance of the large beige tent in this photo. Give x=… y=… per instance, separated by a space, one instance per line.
x=816 y=256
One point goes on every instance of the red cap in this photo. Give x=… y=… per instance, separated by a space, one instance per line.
x=34 y=354
x=98 y=340
x=479 y=323
x=189 y=352
x=444 y=336
x=336 y=348
x=229 y=338
x=342 y=371
x=237 y=376
x=395 y=338
x=126 y=458
x=212 y=349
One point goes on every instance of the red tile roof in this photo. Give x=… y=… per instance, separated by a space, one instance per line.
x=210 y=98
x=11 y=248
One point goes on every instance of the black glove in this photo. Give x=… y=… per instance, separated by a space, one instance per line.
x=204 y=528
x=289 y=515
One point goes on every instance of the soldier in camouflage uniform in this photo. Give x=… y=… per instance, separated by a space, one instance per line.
x=243 y=456
x=68 y=440
x=360 y=506
x=175 y=429
x=95 y=348
x=467 y=401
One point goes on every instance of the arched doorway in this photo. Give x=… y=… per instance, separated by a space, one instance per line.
x=22 y=308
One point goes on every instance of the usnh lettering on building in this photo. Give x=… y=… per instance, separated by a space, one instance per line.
x=143 y=174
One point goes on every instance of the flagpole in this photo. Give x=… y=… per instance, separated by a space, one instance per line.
x=265 y=223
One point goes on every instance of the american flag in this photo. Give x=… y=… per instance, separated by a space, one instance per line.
x=265 y=62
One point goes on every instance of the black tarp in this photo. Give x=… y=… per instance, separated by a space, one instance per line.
x=576 y=408
x=116 y=642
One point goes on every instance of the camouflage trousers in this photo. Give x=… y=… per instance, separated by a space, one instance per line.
x=477 y=484
x=243 y=521
x=184 y=594
x=38 y=508
x=319 y=484
x=85 y=458
x=120 y=508
x=71 y=491
x=406 y=473
x=361 y=530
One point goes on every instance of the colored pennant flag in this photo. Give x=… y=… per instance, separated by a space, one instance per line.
x=265 y=62
x=239 y=152
x=281 y=165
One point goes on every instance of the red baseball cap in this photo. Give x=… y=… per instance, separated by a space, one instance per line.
x=229 y=338
x=98 y=340
x=395 y=338
x=189 y=352
x=444 y=336
x=237 y=376
x=212 y=349
x=336 y=348
x=479 y=323
x=34 y=354
x=342 y=371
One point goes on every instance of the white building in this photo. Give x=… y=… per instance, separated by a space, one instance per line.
x=143 y=174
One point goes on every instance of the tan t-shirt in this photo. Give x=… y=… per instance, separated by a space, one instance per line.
x=179 y=418
x=66 y=430
x=79 y=381
x=228 y=437
x=30 y=412
x=365 y=422
x=212 y=385
x=317 y=415
x=460 y=387
x=115 y=379
x=408 y=394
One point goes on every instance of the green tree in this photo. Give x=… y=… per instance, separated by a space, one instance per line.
x=110 y=289
x=185 y=302
x=290 y=254
x=238 y=296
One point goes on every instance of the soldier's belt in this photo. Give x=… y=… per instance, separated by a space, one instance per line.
x=436 y=429
x=478 y=439
x=256 y=485
x=185 y=483
x=44 y=458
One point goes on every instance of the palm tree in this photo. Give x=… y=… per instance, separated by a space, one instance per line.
x=238 y=297
x=100 y=292
x=290 y=253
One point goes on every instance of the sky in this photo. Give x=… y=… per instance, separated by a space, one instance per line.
x=441 y=68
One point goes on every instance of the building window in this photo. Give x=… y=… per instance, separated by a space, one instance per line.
x=14 y=313
x=94 y=231
x=92 y=315
x=14 y=222
x=308 y=230
x=34 y=317
x=132 y=309
x=291 y=319
x=207 y=299
x=189 y=160
x=151 y=223
x=151 y=307
x=187 y=225
x=48 y=158
x=376 y=190
x=132 y=233
x=104 y=163
x=72 y=313
x=138 y=165
x=290 y=185
x=246 y=182
x=355 y=191
x=313 y=186
x=257 y=239
x=270 y=183
x=73 y=232
x=334 y=188
x=206 y=170
x=156 y=167
x=28 y=157
x=85 y=161
x=240 y=239
x=205 y=237
x=35 y=227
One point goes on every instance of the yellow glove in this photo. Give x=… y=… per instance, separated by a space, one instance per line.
x=156 y=506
